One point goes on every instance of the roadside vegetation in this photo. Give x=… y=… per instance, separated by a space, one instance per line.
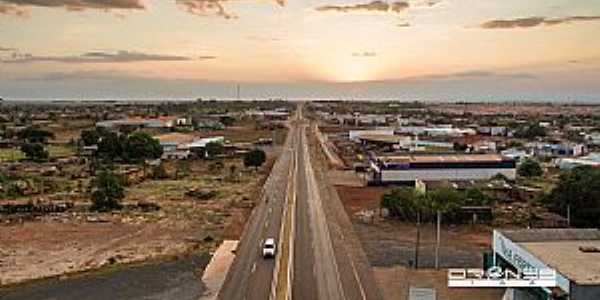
x=112 y=193
x=409 y=204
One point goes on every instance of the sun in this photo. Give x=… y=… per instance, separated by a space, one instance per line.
x=351 y=70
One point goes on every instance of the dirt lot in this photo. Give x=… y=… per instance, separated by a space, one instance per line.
x=396 y=283
x=390 y=247
x=77 y=241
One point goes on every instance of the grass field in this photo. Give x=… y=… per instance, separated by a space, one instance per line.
x=11 y=154
x=55 y=151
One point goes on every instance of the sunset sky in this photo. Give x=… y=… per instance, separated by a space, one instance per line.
x=469 y=50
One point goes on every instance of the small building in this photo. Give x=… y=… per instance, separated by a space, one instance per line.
x=198 y=146
x=383 y=140
x=492 y=130
x=594 y=139
x=173 y=144
x=515 y=154
x=408 y=168
x=564 y=149
x=160 y=122
x=573 y=253
x=592 y=160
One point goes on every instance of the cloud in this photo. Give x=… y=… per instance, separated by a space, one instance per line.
x=21 y=7
x=101 y=57
x=212 y=7
x=364 y=54
x=377 y=6
x=6 y=49
x=475 y=74
x=77 y=75
x=535 y=21
x=259 y=38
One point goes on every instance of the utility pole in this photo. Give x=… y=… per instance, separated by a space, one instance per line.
x=238 y=91
x=568 y=215
x=418 y=240
x=437 y=240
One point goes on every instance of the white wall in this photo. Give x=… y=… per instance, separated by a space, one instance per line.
x=355 y=134
x=445 y=174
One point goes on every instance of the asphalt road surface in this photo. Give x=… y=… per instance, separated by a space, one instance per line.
x=251 y=275
x=320 y=267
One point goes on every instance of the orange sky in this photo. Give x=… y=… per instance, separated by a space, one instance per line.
x=544 y=43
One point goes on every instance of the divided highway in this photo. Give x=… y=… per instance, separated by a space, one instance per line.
x=311 y=250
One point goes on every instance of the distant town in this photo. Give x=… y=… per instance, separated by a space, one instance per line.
x=358 y=200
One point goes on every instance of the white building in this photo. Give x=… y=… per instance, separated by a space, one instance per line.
x=592 y=160
x=408 y=168
x=355 y=135
x=573 y=253
x=201 y=143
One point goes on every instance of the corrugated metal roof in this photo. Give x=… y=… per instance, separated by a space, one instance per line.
x=551 y=234
x=443 y=158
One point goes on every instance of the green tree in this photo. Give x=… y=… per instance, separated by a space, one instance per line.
x=402 y=203
x=531 y=131
x=578 y=189
x=90 y=137
x=476 y=197
x=446 y=200
x=140 y=146
x=255 y=158
x=35 y=135
x=227 y=120
x=406 y=203
x=34 y=151
x=500 y=176
x=459 y=147
x=213 y=149
x=530 y=168
x=107 y=192
x=110 y=146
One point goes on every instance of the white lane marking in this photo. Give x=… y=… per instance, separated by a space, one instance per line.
x=360 y=286
x=253 y=267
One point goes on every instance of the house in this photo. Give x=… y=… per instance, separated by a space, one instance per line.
x=199 y=145
x=492 y=130
x=515 y=154
x=564 y=149
x=172 y=144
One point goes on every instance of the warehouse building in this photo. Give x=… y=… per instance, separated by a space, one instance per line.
x=409 y=168
x=573 y=253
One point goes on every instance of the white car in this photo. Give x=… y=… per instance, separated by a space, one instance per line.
x=268 y=249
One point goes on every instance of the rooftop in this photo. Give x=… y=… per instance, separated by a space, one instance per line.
x=446 y=158
x=560 y=249
x=201 y=143
x=383 y=138
x=175 y=137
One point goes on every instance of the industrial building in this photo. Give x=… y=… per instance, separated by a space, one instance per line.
x=573 y=253
x=409 y=168
x=160 y=122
